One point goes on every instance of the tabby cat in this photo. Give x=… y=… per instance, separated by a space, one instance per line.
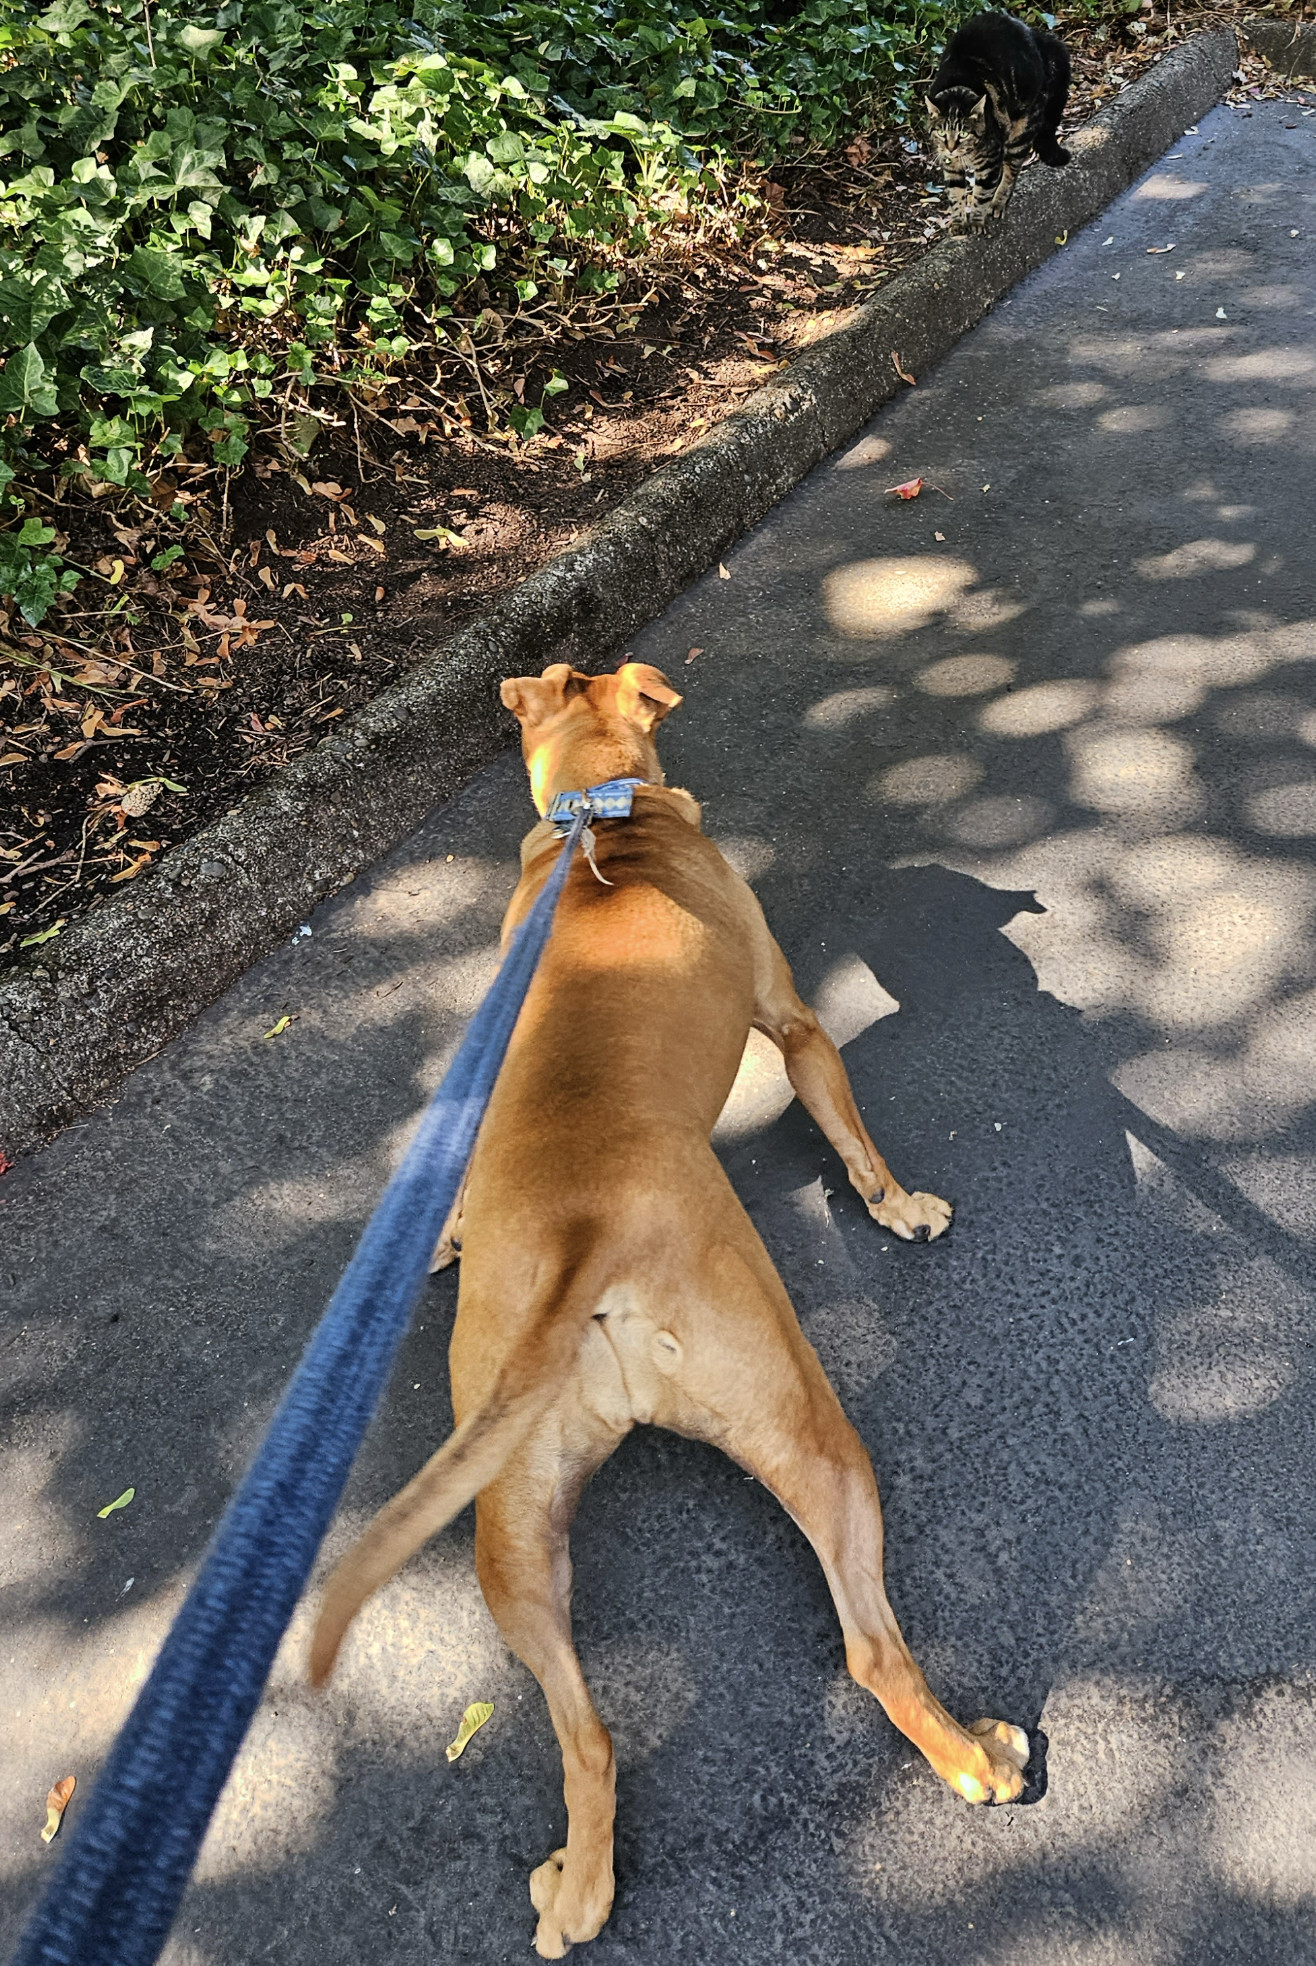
x=999 y=93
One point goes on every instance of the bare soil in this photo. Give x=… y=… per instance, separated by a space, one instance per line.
x=157 y=697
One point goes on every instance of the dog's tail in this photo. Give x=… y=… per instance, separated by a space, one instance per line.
x=473 y=1454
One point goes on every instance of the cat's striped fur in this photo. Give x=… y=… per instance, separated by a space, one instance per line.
x=999 y=93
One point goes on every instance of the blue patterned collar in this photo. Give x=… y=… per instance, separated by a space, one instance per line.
x=611 y=800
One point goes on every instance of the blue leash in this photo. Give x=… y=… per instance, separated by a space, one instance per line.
x=113 y=1897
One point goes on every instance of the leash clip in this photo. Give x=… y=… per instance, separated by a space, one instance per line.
x=611 y=800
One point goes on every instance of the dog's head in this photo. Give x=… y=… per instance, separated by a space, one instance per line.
x=579 y=730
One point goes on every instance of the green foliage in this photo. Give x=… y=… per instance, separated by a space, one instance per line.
x=195 y=204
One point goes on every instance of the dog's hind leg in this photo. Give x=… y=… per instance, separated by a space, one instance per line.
x=524 y=1565
x=767 y=1403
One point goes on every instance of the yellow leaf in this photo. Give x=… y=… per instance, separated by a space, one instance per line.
x=472 y=1721
x=119 y=1502
x=116 y=573
x=56 y=1803
x=277 y=1030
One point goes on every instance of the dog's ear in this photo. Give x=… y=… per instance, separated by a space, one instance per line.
x=644 y=695
x=534 y=699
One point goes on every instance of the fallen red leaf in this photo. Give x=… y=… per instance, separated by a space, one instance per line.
x=693 y=653
x=910 y=489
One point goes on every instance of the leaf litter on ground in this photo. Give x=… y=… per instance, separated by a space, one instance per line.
x=119 y=1502
x=473 y=1720
x=56 y=1803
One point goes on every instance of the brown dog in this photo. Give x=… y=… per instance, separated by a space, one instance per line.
x=609 y=1275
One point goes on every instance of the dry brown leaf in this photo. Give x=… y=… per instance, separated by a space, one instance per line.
x=693 y=653
x=904 y=374
x=56 y=1803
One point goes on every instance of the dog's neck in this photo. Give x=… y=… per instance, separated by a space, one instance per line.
x=574 y=768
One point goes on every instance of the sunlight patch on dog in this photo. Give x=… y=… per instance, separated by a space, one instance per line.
x=873 y=599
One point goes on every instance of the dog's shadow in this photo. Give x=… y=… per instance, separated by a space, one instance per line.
x=998 y=1376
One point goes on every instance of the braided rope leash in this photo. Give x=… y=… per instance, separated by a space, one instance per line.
x=119 y=1881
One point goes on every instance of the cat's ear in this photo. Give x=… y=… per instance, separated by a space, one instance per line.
x=978 y=115
x=934 y=114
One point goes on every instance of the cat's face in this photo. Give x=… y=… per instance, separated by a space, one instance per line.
x=957 y=131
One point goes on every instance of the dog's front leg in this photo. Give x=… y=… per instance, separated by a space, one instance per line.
x=819 y=1080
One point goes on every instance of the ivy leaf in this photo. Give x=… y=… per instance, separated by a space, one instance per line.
x=199 y=41
x=64 y=16
x=157 y=272
x=28 y=305
x=24 y=389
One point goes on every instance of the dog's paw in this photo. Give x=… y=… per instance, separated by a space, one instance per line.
x=914 y=1218
x=1000 y=1778
x=570 y=1911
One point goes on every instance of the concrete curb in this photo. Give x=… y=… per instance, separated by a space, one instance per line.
x=81 y=1012
x=1290 y=49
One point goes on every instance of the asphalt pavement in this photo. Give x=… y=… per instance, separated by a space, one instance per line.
x=1024 y=773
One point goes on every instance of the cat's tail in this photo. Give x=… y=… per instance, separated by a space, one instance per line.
x=1052 y=153
x=530 y=1379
